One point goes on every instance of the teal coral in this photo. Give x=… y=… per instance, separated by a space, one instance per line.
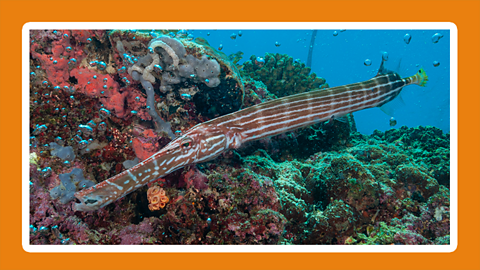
x=282 y=75
x=369 y=189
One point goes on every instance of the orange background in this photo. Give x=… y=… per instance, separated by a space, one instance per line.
x=465 y=14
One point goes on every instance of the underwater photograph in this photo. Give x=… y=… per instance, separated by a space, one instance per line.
x=239 y=137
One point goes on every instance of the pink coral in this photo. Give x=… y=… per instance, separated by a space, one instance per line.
x=146 y=144
x=94 y=84
x=194 y=178
x=56 y=64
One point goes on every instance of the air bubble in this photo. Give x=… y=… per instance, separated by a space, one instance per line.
x=46 y=172
x=385 y=56
x=77 y=138
x=102 y=126
x=157 y=68
x=101 y=66
x=104 y=113
x=407 y=38
x=39 y=129
x=185 y=96
x=436 y=37
x=82 y=144
x=91 y=124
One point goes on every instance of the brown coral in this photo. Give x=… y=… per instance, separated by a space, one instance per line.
x=157 y=198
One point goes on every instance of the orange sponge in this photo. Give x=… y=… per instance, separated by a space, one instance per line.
x=157 y=198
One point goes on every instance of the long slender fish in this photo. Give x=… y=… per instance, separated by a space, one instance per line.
x=208 y=140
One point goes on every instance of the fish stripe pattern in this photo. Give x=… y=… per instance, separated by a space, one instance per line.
x=208 y=140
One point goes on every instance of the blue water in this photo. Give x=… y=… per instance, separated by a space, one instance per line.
x=340 y=60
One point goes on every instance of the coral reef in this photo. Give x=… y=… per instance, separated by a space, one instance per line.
x=371 y=192
x=102 y=101
x=282 y=75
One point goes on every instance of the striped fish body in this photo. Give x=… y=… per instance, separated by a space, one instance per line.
x=289 y=113
x=208 y=140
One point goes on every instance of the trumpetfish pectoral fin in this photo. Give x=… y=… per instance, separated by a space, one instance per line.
x=390 y=108
x=347 y=118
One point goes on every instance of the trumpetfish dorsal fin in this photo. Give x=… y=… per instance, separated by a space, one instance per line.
x=382 y=70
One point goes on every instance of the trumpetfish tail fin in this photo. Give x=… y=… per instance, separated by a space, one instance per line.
x=420 y=78
x=423 y=78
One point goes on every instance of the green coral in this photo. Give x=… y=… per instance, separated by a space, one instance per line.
x=380 y=235
x=329 y=226
x=282 y=75
x=288 y=182
x=33 y=159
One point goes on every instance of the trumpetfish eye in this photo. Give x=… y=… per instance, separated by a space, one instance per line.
x=186 y=143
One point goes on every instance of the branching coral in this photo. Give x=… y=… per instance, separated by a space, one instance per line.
x=157 y=198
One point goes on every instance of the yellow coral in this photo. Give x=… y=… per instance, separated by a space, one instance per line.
x=33 y=159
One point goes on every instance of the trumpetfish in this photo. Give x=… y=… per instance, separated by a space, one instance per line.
x=208 y=140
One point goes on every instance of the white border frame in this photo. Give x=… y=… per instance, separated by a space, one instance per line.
x=244 y=25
